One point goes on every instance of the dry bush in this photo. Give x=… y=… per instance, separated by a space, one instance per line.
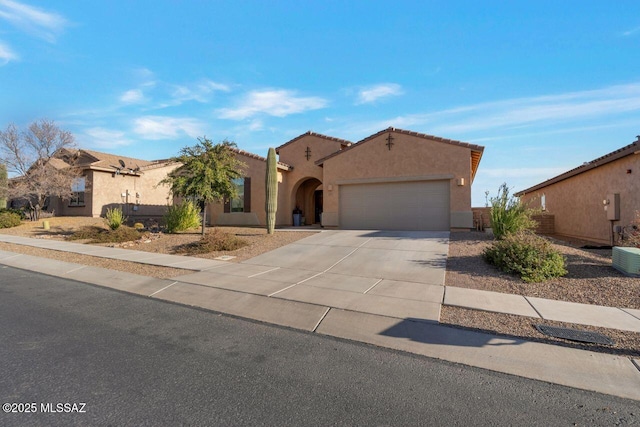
x=214 y=241
x=102 y=235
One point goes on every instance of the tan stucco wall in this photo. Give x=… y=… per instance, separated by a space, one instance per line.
x=256 y=170
x=577 y=202
x=107 y=188
x=409 y=157
x=295 y=154
x=104 y=189
x=62 y=207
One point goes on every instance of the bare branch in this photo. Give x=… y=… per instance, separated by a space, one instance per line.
x=45 y=138
x=29 y=155
x=13 y=151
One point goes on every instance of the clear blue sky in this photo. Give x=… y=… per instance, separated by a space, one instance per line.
x=543 y=85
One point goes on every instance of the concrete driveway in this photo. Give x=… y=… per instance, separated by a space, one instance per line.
x=392 y=273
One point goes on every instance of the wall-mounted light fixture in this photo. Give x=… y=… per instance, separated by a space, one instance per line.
x=460 y=182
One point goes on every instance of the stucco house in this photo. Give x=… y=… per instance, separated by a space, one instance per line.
x=393 y=179
x=109 y=181
x=593 y=200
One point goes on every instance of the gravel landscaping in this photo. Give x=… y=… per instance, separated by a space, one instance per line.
x=60 y=227
x=590 y=278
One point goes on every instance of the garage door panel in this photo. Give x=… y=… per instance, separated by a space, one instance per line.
x=420 y=205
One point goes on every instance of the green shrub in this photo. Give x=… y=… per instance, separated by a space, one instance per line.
x=19 y=212
x=181 y=217
x=509 y=214
x=9 y=219
x=114 y=218
x=529 y=256
x=215 y=241
x=102 y=235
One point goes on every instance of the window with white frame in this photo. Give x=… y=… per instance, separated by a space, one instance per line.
x=77 y=190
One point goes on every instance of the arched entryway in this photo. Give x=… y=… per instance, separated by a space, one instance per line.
x=307 y=196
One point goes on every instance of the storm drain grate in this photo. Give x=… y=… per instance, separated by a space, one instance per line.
x=575 y=335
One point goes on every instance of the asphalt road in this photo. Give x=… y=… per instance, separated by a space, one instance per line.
x=137 y=361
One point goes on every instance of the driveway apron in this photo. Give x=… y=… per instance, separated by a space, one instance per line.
x=392 y=273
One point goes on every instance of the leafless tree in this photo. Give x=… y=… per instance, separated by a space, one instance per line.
x=39 y=162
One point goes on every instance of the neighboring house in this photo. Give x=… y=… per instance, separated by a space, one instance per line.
x=578 y=198
x=394 y=179
x=110 y=181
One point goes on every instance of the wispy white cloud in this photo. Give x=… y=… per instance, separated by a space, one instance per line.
x=373 y=93
x=631 y=32
x=256 y=125
x=144 y=73
x=33 y=20
x=133 y=96
x=6 y=54
x=105 y=138
x=545 y=109
x=199 y=92
x=166 y=127
x=169 y=94
x=273 y=102
x=519 y=113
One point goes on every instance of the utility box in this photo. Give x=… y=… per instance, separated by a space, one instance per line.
x=612 y=206
x=626 y=260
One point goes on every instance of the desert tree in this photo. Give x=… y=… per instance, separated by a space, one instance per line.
x=35 y=160
x=205 y=174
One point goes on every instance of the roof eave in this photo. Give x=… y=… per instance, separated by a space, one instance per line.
x=628 y=150
x=343 y=142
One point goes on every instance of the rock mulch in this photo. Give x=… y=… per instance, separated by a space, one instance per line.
x=590 y=280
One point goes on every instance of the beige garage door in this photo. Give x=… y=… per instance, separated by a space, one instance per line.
x=421 y=205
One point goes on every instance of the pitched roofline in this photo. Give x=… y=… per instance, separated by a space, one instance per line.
x=93 y=153
x=476 y=150
x=627 y=150
x=473 y=147
x=281 y=165
x=343 y=142
x=97 y=157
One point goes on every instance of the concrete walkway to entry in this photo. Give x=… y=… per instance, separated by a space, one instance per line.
x=382 y=288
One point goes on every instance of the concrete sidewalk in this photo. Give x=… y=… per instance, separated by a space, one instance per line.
x=338 y=286
x=386 y=318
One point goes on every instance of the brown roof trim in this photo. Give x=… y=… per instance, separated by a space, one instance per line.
x=473 y=147
x=257 y=157
x=343 y=142
x=633 y=148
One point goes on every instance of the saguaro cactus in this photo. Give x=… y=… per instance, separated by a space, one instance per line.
x=271 y=185
x=4 y=182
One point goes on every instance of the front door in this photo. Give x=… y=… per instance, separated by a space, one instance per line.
x=318 y=204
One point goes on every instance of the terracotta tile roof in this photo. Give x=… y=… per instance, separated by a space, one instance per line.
x=633 y=148
x=343 y=142
x=257 y=157
x=476 y=150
